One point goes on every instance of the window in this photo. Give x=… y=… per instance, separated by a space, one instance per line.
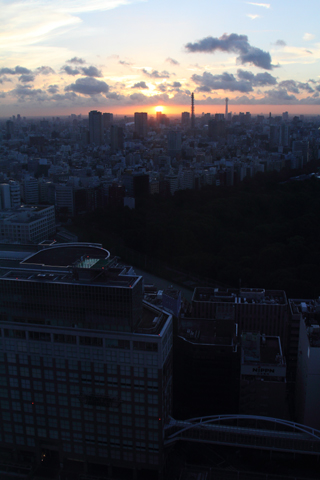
x=49 y=386
x=16 y=406
x=17 y=417
x=36 y=372
x=139 y=409
x=24 y=371
x=14 y=382
x=52 y=422
x=51 y=399
x=38 y=397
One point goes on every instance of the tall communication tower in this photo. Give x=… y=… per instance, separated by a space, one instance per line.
x=227 y=100
x=192 y=111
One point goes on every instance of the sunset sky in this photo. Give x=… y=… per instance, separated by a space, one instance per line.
x=71 y=56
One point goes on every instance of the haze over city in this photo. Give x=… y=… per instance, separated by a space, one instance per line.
x=123 y=56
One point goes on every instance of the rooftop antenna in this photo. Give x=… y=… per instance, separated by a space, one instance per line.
x=226 y=115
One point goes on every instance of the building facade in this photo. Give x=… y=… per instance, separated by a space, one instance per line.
x=86 y=365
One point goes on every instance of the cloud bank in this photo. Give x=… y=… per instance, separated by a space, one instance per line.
x=237 y=44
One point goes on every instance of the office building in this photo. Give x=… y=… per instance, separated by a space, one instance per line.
x=15 y=194
x=308 y=365
x=95 y=127
x=27 y=224
x=116 y=138
x=5 y=196
x=86 y=364
x=30 y=190
x=206 y=365
x=185 y=119
x=262 y=376
x=141 y=123
x=107 y=119
x=174 y=143
x=256 y=309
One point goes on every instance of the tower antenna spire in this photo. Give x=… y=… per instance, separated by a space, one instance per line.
x=192 y=111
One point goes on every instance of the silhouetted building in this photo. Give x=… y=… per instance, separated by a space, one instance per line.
x=308 y=368
x=95 y=127
x=107 y=119
x=206 y=365
x=262 y=376
x=141 y=123
x=185 y=119
x=116 y=138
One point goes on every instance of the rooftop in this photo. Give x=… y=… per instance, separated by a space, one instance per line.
x=239 y=296
x=66 y=263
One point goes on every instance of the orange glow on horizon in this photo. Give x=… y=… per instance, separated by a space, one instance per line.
x=159 y=108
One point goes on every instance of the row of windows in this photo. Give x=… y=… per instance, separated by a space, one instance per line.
x=72 y=339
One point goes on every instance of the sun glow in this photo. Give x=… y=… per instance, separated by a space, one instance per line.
x=159 y=108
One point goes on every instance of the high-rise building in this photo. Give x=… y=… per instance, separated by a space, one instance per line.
x=15 y=194
x=30 y=190
x=174 y=143
x=107 y=119
x=86 y=364
x=185 y=119
x=116 y=138
x=141 y=123
x=95 y=127
x=5 y=195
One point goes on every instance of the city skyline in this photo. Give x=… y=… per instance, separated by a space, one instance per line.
x=124 y=56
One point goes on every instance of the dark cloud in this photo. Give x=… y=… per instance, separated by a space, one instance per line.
x=162 y=87
x=53 y=89
x=176 y=85
x=88 y=86
x=26 y=78
x=6 y=79
x=140 y=85
x=67 y=96
x=44 y=70
x=115 y=96
x=87 y=71
x=275 y=97
x=91 y=71
x=123 y=62
x=70 y=70
x=76 y=60
x=236 y=44
x=260 y=79
x=280 y=43
x=15 y=71
x=172 y=61
x=226 y=81
x=156 y=74
x=295 y=87
x=26 y=91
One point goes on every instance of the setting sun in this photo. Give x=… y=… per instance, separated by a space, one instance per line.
x=159 y=108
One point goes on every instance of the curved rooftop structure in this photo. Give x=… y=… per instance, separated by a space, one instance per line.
x=80 y=255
